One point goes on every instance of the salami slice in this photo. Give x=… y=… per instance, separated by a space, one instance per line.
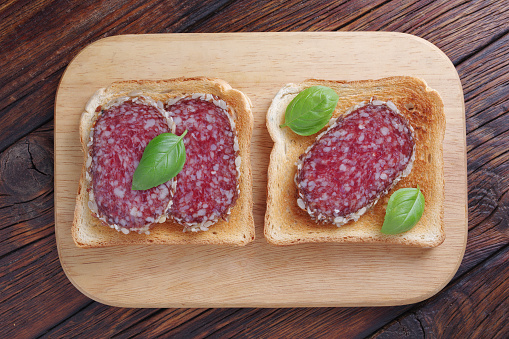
x=356 y=161
x=208 y=184
x=118 y=139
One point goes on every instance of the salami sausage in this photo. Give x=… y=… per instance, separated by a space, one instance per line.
x=207 y=186
x=118 y=139
x=357 y=160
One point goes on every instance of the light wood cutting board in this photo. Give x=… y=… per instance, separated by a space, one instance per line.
x=259 y=274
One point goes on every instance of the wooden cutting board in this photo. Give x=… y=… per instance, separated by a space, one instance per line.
x=259 y=274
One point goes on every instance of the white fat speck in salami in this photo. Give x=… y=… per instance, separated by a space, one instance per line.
x=359 y=159
x=120 y=136
x=208 y=183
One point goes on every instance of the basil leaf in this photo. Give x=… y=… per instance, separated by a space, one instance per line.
x=404 y=209
x=162 y=159
x=311 y=110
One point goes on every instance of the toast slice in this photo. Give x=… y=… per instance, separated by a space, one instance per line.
x=89 y=232
x=287 y=224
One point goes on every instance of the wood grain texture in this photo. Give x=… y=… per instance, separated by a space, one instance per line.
x=36 y=67
x=332 y=281
x=41 y=37
x=487 y=135
x=26 y=190
x=443 y=23
x=471 y=301
x=35 y=290
x=285 y=16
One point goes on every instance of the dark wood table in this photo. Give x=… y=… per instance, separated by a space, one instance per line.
x=40 y=38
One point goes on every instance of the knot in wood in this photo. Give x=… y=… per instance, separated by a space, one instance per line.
x=27 y=168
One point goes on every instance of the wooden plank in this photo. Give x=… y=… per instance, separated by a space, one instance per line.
x=101 y=321
x=278 y=323
x=26 y=190
x=14 y=117
x=151 y=323
x=485 y=74
x=247 y=267
x=30 y=62
x=36 y=47
x=459 y=29
x=486 y=82
x=255 y=16
x=36 y=294
x=101 y=20
x=475 y=307
x=444 y=23
x=227 y=323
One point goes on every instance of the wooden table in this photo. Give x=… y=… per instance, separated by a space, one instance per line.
x=40 y=38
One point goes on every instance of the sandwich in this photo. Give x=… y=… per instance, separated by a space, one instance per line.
x=335 y=185
x=165 y=162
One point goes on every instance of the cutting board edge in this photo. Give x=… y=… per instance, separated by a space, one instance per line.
x=424 y=296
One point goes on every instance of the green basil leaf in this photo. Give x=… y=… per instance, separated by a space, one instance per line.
x=311 y=110
x=162 y=159
x=404 y=210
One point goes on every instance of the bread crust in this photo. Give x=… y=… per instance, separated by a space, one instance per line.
x=287 y=224
x=90 y=232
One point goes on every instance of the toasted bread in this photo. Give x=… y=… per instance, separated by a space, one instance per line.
x=89 y=232
x=287 y=224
